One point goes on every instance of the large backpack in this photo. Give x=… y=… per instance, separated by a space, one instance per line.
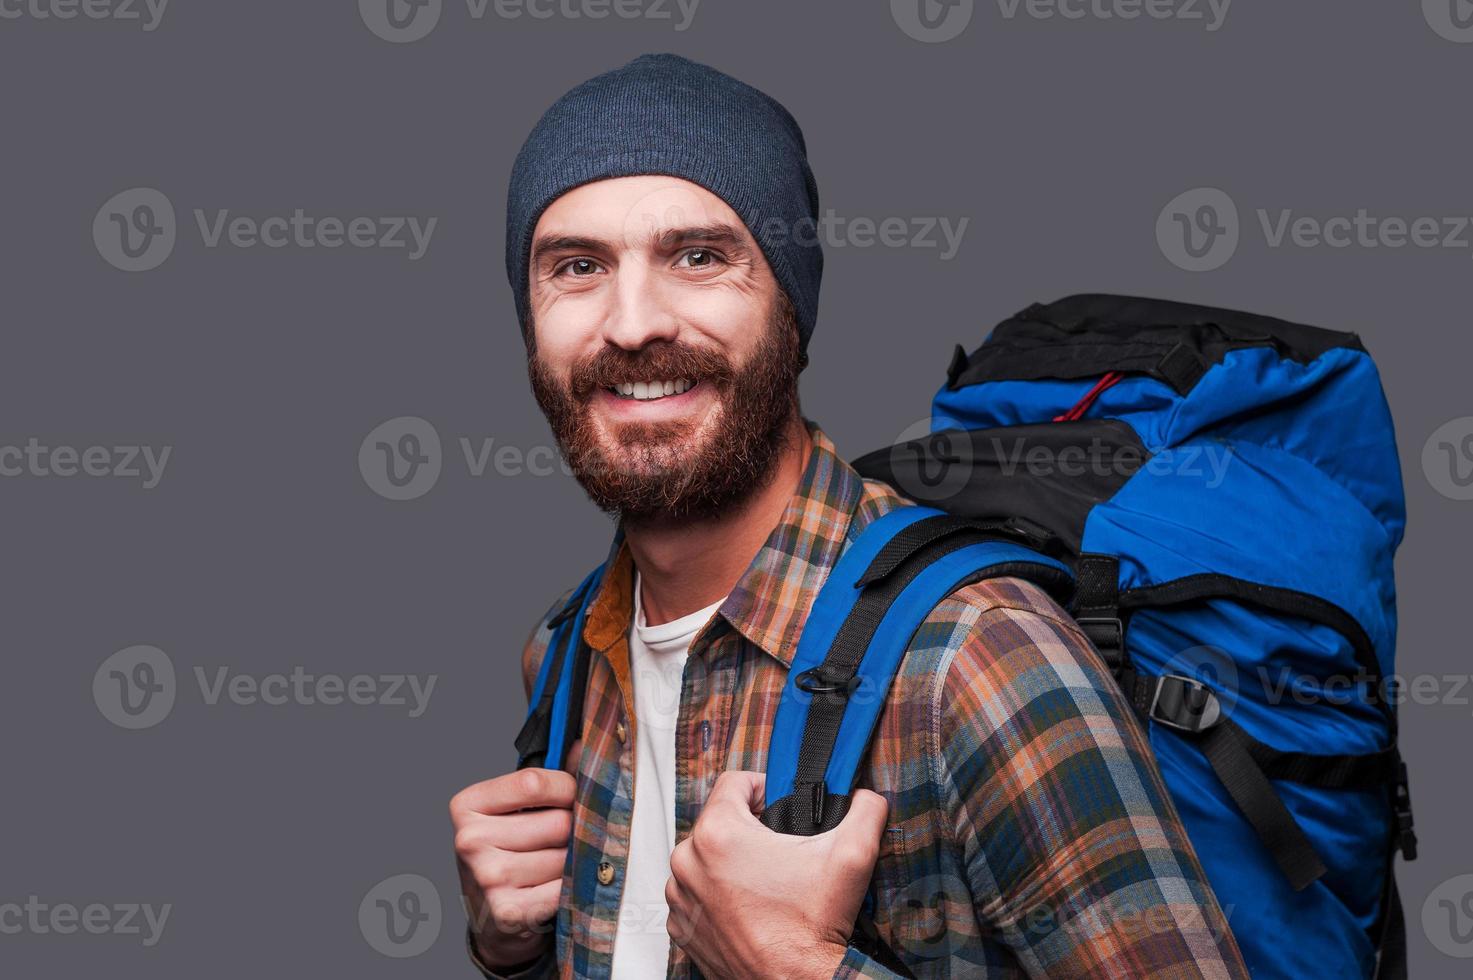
x=1216 y=497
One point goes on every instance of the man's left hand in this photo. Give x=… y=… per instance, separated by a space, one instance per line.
x=747 y=901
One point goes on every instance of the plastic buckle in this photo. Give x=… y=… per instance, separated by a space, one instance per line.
x=815 y=681
x=1107 y=633
x=1184 y=703
x=1406 y=837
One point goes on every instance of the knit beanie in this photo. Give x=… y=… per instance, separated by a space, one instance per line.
x=664 y=114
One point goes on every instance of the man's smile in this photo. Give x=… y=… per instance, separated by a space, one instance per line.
x=638 y=401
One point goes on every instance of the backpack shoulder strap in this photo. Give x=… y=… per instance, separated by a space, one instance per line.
x=861 y=623
x=555 y=708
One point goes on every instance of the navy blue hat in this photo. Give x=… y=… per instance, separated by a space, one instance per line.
x=664 y=114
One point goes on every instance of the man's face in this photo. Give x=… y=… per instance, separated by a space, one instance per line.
x=664 y=354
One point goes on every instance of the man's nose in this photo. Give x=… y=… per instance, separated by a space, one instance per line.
x=641 y=311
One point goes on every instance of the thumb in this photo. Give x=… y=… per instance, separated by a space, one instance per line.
x=865 y=819
x=739 y=788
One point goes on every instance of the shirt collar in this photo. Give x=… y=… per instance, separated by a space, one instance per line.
x=769 y=603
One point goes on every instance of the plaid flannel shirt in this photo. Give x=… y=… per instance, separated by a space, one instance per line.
x=1029 y=831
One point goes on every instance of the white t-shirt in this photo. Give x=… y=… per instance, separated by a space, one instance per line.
x=657 y=657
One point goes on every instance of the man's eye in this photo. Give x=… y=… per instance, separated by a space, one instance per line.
x=698 y=258
x=579 y=267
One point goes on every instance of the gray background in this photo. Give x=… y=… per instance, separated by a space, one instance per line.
x=263 y=547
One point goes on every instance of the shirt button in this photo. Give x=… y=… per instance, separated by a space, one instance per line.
x=620 y=732
x=605 y=872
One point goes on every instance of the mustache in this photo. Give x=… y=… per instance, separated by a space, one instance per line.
x=661 y=360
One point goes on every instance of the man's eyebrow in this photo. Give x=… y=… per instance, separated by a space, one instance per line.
x=718 y=234
x=557 y=244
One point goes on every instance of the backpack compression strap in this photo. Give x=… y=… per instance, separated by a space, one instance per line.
x=555 y=708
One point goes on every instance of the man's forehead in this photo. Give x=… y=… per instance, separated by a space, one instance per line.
x=636 y=211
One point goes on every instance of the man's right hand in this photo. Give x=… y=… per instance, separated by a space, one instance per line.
x=511 y=841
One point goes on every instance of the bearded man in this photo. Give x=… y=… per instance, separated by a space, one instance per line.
x=661 y=245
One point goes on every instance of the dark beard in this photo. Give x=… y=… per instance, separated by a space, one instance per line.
x=657 y=475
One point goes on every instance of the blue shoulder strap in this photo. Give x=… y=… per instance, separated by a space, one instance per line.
x=860 y=625
x=543 y=740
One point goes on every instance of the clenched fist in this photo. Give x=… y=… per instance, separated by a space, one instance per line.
x=511 y=839
x=747 y=901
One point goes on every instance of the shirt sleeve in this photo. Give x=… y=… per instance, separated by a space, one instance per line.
x=857 y=964
x=1075 y=856
x=542 y=968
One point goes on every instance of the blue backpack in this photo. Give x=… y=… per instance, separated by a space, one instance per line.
x=1216 y=498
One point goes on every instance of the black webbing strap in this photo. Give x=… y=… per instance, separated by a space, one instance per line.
x=1182 y=367
x=1391 y=955
x=1227 y=749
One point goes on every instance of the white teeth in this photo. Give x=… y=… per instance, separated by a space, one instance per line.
x=650 y=390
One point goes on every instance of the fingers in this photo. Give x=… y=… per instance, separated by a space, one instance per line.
x=528 y=910
x=531 y=787
x=524 y=869
x=530 y=830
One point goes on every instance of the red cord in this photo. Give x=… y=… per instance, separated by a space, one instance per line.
x=1082 y=406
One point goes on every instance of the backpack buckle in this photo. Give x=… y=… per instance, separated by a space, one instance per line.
x=1107 y=633
x=815 y=680
x=1184 y=703
x=1406 y=837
